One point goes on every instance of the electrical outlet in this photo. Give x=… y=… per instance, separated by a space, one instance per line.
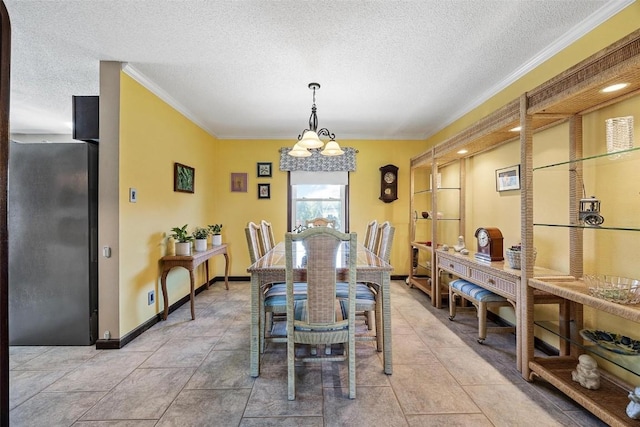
x=151 y=297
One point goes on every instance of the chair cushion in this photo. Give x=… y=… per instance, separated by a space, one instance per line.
x=341 y=306
x=276 y=296
x=476 y=292
x=363 y=292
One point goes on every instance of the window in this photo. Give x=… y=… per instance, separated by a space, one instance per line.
x=318 y=195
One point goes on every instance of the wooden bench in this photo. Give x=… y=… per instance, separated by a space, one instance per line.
x=481 y=299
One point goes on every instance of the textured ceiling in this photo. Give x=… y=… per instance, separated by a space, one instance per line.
x=240 y=69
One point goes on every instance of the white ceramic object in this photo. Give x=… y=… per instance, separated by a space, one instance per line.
x=183 y=249
x=216 y=239
x=201 y=245
x=586 y=372
x=633 y=408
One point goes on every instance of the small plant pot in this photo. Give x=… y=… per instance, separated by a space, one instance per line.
x=216 y=239
x=201 y=245
x=183 y=248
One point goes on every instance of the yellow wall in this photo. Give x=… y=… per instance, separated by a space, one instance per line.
x=152 y=137
x=235 y=210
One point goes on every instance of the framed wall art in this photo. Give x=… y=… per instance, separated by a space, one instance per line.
x=264 y=169
x=238 y=182
x=184 y=178
x=508 y=178
x=264 y=191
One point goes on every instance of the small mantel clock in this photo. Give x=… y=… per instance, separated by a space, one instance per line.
x=489 y=244
x=388 y=183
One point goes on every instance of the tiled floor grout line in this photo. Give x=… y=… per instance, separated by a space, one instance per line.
x=225 y=316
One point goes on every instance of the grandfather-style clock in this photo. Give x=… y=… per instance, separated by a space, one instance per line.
x=489 y=244
x=388 y=183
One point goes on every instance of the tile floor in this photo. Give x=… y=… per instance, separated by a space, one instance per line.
x=196 y=373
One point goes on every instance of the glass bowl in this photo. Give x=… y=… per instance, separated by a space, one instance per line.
x=622 y=290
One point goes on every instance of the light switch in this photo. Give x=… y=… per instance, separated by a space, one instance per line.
x=133 y=195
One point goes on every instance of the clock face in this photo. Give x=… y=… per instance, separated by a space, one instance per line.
x=389 y=177
x=483 y=238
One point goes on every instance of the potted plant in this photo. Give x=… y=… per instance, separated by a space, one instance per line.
x=183 y=240
x=216 y=237
x=200 y=235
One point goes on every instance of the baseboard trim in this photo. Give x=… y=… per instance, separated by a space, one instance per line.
x=117 y=343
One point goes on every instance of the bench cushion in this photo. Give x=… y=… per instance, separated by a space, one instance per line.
x=476 y=292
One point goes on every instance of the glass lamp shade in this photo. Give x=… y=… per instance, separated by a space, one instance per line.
x=298 y=151
x=310 y=139
x=332 y=149
x=619 y=134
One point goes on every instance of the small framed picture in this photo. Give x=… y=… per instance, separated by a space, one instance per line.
x=264 y=191
x=238 y=182
x=184 y=178
x=508 y=178
x=264 y=169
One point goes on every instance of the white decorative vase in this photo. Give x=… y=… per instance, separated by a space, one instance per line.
x=201 y=245
x=183 y=248
x=216 y=239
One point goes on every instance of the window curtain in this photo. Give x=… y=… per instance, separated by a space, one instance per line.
x=317 y=162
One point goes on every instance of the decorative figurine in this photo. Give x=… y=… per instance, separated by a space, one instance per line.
x=445 y=247
x=460 y=246
x=464 y=252
x=586 y=372
x=633 y=408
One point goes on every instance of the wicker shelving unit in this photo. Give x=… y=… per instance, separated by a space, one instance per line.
x=568 y=97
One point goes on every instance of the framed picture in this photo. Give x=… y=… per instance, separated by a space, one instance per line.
x=508 y=178
x=264 y=191
x=184 y=178
x=264 y=170
x=238 y=182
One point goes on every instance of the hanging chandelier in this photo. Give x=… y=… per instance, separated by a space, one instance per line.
x=310 y=138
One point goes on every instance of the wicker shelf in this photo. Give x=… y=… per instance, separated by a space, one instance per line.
x=630 y=363
x=573 y=94
x=607 y=403
x=451 y=196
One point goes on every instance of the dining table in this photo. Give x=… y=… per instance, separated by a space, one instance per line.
x=271 y=269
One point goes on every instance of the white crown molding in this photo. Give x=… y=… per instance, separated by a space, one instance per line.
x=160 y=93
x=589 y=24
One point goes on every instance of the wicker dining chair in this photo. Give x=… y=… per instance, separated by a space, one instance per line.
x=370 y=235
x=379 y=233
x=268 y=240
x=252 y=232
x=321 y=318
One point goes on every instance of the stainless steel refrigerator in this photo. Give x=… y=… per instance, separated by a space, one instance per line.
x=53 y=228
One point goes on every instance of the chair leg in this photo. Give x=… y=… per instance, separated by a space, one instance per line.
x=351 y=348
x=291 y=370
x=262 y=326
x=482 y=322
x=379 y=332
x=452 y=305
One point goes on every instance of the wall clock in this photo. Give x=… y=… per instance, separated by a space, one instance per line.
x=388 y=183
x=489 y=244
